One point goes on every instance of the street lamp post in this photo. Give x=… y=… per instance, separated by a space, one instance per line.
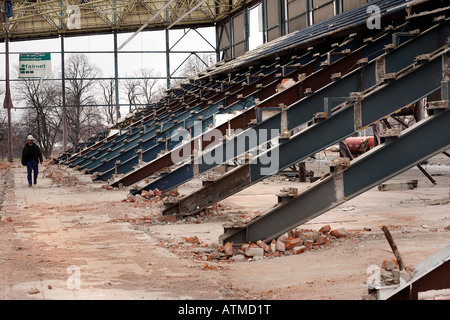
x=7 y=102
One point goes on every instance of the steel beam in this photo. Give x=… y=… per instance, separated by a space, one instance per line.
x=416 y=144
x=374 y=106
x=268 y=83
x=206 y=108
x=358 y=80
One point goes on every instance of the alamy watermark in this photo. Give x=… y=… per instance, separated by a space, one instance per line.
x=374 y=20
x=236 y=143
x=74 y=280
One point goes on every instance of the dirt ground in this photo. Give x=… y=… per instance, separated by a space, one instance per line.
x=70 y=238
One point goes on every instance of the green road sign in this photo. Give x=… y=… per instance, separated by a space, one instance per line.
x=34 y=65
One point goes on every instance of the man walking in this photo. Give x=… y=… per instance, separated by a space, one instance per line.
x=31 y=155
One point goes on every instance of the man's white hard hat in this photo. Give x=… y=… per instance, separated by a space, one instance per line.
x=30 y=137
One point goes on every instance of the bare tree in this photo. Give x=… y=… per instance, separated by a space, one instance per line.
x=144 y=89
x=82 y=114
x=41 y=117
x=108 y=90
x=131 y=89
x=149 y=90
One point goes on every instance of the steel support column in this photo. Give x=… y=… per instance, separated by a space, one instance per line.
x=63 y=87
x=116 y=76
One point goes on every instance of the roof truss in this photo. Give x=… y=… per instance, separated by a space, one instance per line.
x=49 y=18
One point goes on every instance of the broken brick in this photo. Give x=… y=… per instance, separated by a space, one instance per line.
x=292 y=243
x=299 y=249
x=193 y=240
x=284 y=238
x=321 y=239
x=325 y=229
x=244 y=246
x=263 y=245
x=273 y=246
x=308 y=236
x=389 y=264
x=338 y=233
x=228 y=249
x=280 y=246
x=308 y=244
x=254 y=251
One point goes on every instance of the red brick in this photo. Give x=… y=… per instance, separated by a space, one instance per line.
x=321 y=239
x=325 y=229
x=389 y=264
x=293 y=242
x=254 y=251
x=281 y=246
x=193 y=239
x=273 y=246
x=284 y=238
x=308 y=244
x=299 y=249
x=308 y=236
x=169 y=219
x=339 y=232
x=228 y=249
x=244 y=246
x=263 y=245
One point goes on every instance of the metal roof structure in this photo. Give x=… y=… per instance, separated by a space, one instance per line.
x=50 y=18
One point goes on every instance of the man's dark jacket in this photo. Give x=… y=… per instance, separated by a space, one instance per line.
x=32 y=152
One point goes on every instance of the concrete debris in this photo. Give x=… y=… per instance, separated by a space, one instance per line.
x=390 y=273
x=61 y=178
x=290 y=192
x=242 y=219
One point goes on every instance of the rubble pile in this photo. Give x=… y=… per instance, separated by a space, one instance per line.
x=60 y=178
x=293 y=242
x=390 y=273
x=296 y=241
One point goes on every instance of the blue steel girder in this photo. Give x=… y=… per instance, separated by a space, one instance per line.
x=302 y=111
x=416 y=144
x=129 y=140
x=149 y=154
x=86 y=157
x=86 y=163
x=381 y=101
x=155 y=137
x=250 y=91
